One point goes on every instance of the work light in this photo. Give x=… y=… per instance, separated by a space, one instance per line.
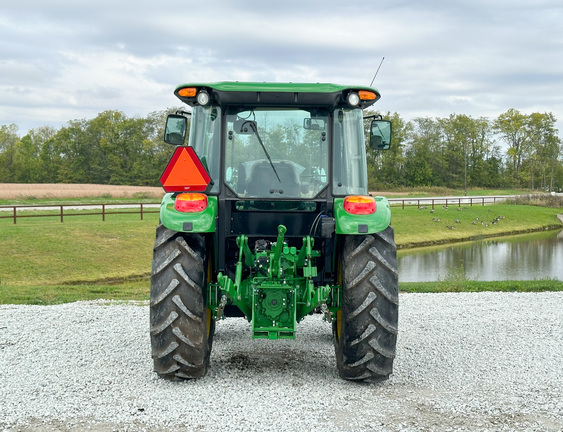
x=203 y=98
x=353 y=99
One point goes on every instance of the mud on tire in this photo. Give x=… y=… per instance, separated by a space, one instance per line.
x=365 y=331
x=181 y=327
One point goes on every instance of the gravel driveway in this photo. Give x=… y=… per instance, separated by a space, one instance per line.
x=475 y=362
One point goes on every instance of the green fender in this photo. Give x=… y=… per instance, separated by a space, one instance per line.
x=347 y=223
x=199 y=222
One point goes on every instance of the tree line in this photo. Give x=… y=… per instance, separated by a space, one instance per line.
x=514 y=150
x=108 y=149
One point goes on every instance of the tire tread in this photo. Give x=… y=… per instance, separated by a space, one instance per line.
x=180 y=339
x=366 y=346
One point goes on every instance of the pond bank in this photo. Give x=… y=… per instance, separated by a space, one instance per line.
x=413 y=245
x=424 y=226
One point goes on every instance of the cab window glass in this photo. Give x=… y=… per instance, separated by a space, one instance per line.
x=205 y=138
x=349 y=154
x=276 y=152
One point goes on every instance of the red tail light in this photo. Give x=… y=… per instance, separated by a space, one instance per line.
x=360 y=205
x=190 y=202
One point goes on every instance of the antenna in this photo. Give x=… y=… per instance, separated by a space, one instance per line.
x=378 y=67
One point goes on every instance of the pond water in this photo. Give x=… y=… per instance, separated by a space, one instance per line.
x=517 y=257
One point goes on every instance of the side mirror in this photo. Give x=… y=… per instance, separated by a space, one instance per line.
x=314 y=123
x=176 y=129
x=380 y=135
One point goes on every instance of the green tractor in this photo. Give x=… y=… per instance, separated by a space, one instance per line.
x=267 y=216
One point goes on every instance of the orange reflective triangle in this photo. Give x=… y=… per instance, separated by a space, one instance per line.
x=184 y=172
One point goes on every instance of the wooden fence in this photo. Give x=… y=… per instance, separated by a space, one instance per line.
x=16 y=212
x=457 y=201
x=62 y=211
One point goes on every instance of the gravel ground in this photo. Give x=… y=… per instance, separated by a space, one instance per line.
x=465 y=362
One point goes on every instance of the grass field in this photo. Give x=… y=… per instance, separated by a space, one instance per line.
x=415 y=227
x=82 y=249
x=45 y=261
x=481 y=286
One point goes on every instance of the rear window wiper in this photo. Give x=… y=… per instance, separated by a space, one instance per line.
x=255 y=129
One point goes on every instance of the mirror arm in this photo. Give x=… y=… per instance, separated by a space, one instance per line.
x=187 y=114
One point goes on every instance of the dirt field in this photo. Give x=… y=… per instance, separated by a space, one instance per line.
x=64 y=190
x=47 y=190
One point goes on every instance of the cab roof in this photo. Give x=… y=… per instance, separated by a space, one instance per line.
x=275 y=94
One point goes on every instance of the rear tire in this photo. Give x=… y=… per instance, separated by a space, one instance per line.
x=181 y=325
x=365 y=329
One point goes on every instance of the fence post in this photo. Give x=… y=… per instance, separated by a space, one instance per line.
x=103 y=212
x=141 y=211
x=15 y=217
x=61 y=214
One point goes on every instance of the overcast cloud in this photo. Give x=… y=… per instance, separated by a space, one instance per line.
x=62 y=60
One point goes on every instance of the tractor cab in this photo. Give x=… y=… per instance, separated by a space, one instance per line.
x=267 y=204
x=277 y=153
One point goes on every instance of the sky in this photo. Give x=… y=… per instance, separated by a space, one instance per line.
x=62 y=60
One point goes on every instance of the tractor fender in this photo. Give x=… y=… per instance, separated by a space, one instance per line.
x=197 y=222
x=347 y=223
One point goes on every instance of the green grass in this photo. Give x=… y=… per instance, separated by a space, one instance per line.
x=417 y=227
x=83 y=249
x=44 y=261
x=481 y=286
x=56 y=294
